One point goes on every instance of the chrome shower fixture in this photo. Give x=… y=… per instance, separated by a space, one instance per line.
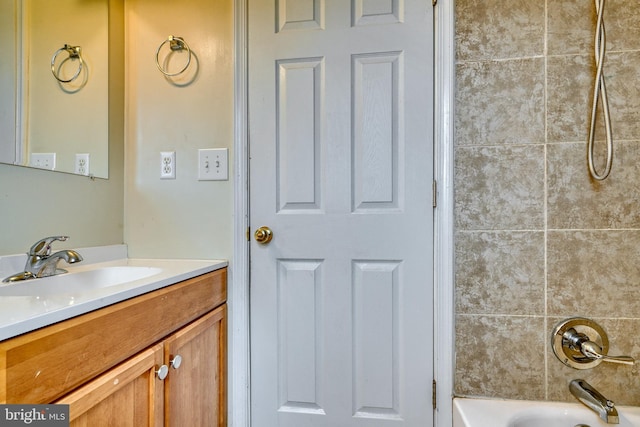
x=582 y=344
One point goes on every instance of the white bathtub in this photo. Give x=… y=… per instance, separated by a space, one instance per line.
x=516 y=413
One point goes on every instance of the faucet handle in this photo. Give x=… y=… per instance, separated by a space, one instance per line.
x=43 y=246
x=594 y=352
x=582 y=344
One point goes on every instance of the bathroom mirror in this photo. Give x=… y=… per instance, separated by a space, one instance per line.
x=54 y=80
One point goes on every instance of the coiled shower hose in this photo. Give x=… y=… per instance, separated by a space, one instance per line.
x=600 y=90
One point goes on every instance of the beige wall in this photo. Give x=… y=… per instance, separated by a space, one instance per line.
x=182 y=218
x=537 y=240
x=35 y=204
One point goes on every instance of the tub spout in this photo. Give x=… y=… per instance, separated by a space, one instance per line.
x=591 y=398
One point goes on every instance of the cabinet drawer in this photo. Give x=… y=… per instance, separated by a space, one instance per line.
x=43 y=365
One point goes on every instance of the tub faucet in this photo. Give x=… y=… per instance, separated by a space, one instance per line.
x=42 y=263
x=591 y=398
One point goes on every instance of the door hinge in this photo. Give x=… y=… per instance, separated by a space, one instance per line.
x=433 y=396
x=435 y=193
x=434 y=3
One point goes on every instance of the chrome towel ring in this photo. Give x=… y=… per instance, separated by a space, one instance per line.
x=175 y=44
x=74 y=53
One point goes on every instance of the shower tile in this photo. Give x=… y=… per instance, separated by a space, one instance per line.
x=593 y=272
x=534 y=233
x=570 y=28
x=500 y=102
x=491 y=29
x=617 y=382
x=500 y=356
x=622 y=23
x=499 y=188
x=622 y=74
x=575 y=201
x=500 y=273
x=622 y=26
x=569 y=92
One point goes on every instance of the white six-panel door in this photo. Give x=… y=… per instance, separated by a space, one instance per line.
x=341 y=170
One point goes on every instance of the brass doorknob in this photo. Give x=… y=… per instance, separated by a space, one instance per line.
x=263 y=235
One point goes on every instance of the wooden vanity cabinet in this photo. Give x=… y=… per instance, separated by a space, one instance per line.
x=188 y=319
x=192 y=394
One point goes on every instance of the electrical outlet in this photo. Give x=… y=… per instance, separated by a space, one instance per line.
x=43 y=160
x=168 y=165
x=82 y=164
x=213 y=164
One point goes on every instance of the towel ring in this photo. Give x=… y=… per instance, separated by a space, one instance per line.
x=74 y=52
x=175 y=43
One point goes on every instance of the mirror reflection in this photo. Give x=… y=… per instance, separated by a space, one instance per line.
x=60 y=83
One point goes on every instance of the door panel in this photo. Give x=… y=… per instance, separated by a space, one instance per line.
x=300 y=331
x=299 y=109
x=340 y=107
x=376 y=316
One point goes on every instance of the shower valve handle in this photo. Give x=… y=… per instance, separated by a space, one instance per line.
x=593 y=351
x=581 y=342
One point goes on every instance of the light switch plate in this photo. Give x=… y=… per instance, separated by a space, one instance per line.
x=213 y=164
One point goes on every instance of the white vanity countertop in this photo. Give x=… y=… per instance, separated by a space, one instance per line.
x=20 y=314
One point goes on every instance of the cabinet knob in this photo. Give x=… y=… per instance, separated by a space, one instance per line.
x=162 y=372
x=176 y=361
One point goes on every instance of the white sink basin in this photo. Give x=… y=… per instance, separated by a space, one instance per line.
x=78 y=281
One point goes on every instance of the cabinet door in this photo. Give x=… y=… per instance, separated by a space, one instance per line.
x=128 y=395
x=195 y=391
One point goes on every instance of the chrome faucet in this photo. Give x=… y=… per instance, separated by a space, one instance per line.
x=591 y=398
x=582 y=344
x=42 y=263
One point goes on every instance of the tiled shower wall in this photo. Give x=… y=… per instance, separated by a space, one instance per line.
x=537 y=240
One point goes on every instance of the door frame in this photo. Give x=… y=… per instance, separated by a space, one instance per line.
x=444 y=105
